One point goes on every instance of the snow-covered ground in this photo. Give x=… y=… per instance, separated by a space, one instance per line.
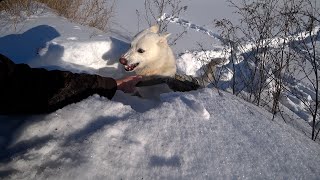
x=201 y=12
x=191 y=63
x=204 y=134
x=197 y=135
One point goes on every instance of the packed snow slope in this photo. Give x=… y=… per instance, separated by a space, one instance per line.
x=203 y=134
x=197 y=135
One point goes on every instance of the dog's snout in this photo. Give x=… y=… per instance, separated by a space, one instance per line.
x=123 y=61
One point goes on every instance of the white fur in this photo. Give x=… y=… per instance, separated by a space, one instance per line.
x=157 y=58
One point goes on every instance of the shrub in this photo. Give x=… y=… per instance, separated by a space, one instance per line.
x=94 y=13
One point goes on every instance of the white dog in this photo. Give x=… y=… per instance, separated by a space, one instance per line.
x=150 y=55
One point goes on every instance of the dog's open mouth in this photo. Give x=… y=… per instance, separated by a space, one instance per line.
x=130 y=67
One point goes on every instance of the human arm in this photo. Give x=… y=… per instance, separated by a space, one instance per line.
x=25 y=90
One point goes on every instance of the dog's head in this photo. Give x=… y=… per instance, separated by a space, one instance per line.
x=146 y=49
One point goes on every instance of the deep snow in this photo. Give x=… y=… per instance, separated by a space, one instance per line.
x=176 y=138
x=203 y=134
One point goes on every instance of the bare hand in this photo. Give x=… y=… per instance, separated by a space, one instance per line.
x=127 y=84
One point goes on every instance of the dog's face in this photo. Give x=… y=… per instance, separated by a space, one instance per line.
x=145 y=50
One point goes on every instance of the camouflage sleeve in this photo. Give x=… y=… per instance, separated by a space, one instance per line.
x=178 y=83
x=182 y=82
x=208 y=76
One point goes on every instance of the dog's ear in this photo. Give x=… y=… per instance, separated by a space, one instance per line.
x=154 y=28
x=164 y=37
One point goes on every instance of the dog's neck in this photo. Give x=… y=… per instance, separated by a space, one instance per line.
x=156 y=72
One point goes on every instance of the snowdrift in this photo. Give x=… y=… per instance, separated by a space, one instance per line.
x=196 y=135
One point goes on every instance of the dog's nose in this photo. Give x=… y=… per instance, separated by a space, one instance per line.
x=123 y=61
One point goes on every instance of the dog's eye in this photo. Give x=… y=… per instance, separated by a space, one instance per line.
x=141 y=50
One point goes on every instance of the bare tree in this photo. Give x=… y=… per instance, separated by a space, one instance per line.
x=309 y=58
x=94 y=13
x=154 y=9
x=279 y=41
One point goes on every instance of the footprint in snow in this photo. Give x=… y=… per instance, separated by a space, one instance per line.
x=77 y=27
x=197 y=107
x=72 y=38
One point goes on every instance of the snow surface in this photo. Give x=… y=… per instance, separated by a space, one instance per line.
x=191 y=63
x=204 y=134
x=45 y=41
x=202 y=12
x=174 y=139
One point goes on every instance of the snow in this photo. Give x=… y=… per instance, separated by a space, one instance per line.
x=201 y=12
x=45 y=41
x=203 y=134
x=191 y=63
x=187 y=24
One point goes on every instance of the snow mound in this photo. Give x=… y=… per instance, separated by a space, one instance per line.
x=64 y=45
x=196 y=135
